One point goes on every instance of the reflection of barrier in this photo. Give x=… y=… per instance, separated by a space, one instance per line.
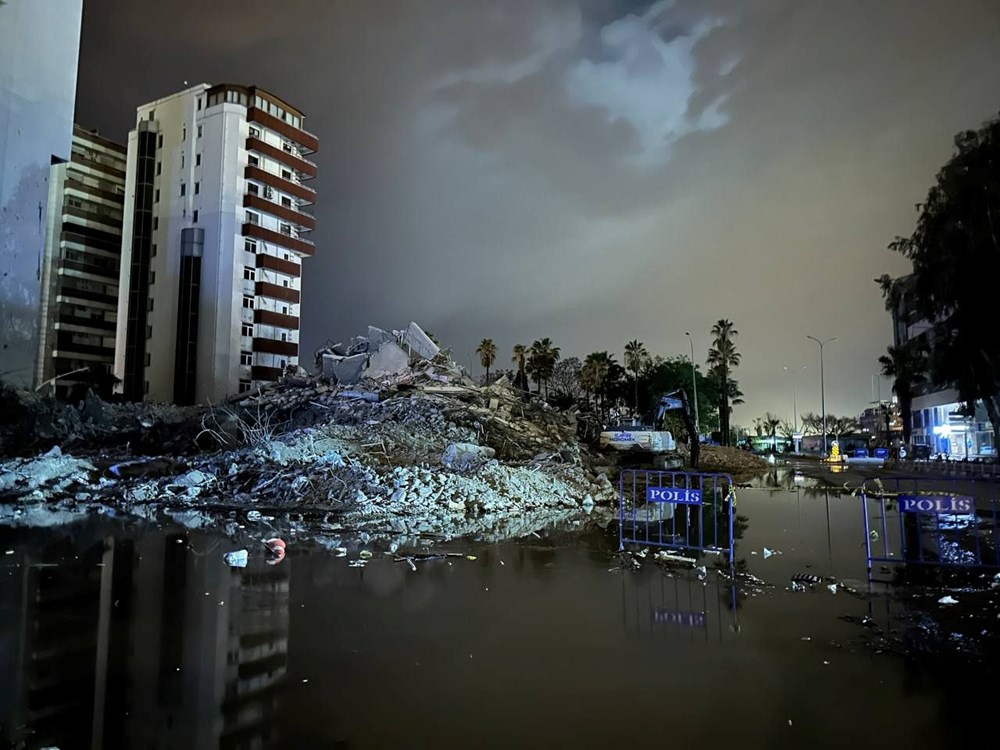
x=679 y=510
x=655 y=604
x=920 y=520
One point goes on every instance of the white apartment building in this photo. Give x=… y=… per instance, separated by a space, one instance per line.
x=212 y=244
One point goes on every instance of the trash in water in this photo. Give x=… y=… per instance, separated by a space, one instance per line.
x=806 y=578
x=237 y=559
x=341 y=551
x=798 y=586
x=832 y=588
x=357 y=563
x=948 y=599
x=701 y=571
x=253 y=515
x=470 y=557
x=874 y=535
x=769 y=552
x=365 y=554
x=275 y=550
x=668 y=557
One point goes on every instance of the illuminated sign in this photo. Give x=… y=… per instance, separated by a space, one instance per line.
x=951 y=504
x=673 y=495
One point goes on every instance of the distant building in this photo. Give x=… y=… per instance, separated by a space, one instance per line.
x=81 y=266
x=39 y=48
x=875 y=420
x=939 y=419
x=213 y=240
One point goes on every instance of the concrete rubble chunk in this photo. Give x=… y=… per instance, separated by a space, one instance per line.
x=419 y=344
x=388 y=360
x=377 y=337
x=344 y=370
x=464 y=456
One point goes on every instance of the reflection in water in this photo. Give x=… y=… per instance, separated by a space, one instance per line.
x=120 y=640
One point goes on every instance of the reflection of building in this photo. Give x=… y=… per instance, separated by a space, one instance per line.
x=80 y=269
x=144 y=643
x=214 y=236
x=939 y=418
x=39 y=47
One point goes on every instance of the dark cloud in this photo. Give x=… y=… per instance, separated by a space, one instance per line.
x=594 y=171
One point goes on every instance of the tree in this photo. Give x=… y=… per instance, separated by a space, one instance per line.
x=955 y=253
x=566 y=380
x=487 y=352
x=519 y=356
x=812 y=424
x=594 y=375
x=722 y=358
x=770 y=423
x=542 y=358
x=636 y=358
x=906 y=365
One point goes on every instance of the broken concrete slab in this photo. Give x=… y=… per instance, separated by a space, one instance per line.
x=418 y=344
x=465 y=456
x=388 y=360
x=345 y=370
x=377 y=337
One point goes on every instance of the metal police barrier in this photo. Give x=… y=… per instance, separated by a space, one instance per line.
x=676 y=509
x=944 y=521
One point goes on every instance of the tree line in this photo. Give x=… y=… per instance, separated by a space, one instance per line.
x=602 y=383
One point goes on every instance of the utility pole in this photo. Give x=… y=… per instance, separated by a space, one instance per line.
x=822 y=383
x=694 y=385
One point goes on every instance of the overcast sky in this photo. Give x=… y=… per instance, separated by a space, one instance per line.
x=593 y=170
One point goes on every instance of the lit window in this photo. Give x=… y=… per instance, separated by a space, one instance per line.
x=248 y=301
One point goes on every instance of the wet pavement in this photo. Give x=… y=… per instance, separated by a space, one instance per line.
x=117 y=634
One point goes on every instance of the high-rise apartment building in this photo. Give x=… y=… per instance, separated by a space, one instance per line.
x=213 y=240
x=81 y=266
x=39 y=50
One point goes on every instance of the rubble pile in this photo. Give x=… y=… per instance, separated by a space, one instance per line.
x=717 y=458
x=390 y=437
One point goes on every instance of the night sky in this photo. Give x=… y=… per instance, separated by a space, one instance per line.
x=593 y=171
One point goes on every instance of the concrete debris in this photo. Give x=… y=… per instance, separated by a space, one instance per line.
x=237 y=559
x=389 y=360
x=947 y=600
x=418 y=343
x=344 y=369
x=466 y=456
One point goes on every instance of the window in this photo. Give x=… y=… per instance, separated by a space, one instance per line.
x=250 y=274
x=182 y=161
x=285 y=283
x=244 y=386
x=248 y=301
x=156 y=223
x=286 y=229
x=156 y=196
x=152 y=115
x=286 y=256
x=246 y=358
x=284 y=337
x=253 y=218
x=197 y=188
x=253 y=188
x=159 y=140
x=282 y=363
x=149 y=332
x=286 y=147
x=250 y=246
x=284 y=309
x=183 y=189
x=194 y=216
x=149 y=359
x=199 y=131
x=149 y=307
x=286 y=174
x=145 y=387
x=286 y=201
x=152 y=277
x=254 y=132
x=199 y=102
x=197 y=160
x=246 y=330
x=184 y=133
x=158 y=168
x=152 y=253
x=253 y=161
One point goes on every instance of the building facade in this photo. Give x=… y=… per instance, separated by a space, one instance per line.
x=212 y=246
x=940 y=419
x=81 y=266
x=39 y=51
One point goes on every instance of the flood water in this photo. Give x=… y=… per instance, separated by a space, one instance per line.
x=125 y=635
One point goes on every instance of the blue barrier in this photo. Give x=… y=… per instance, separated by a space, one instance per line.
x=940 y=521
x=676 y=509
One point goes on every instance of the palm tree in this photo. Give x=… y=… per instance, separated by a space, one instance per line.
x=487 y=352
x=519 y=355
x=542 y=358
x=771 y=424
x=907 y=365
x=722 y=358
x=636 y=358
x=595 y=373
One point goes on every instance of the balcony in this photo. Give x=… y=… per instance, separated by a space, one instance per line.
x=284 y=293
x=108 y=220
x=270 y=346
x=299 y=219
x=97 y=324
x=305 y=247
x=81 y=239
x=90 y=190
x=265 y=373
x=301 y=192
x=303 y=138
x=300 y=165
x=102 y=272
x=280 y=265
x=88 y=296
x=280 y=320
x=83 y=161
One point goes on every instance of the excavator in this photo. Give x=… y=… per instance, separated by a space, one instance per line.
x=650 y=440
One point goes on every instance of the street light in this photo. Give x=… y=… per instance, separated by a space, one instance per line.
x=822 y=383
x=694 y=385
x=795 y=408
